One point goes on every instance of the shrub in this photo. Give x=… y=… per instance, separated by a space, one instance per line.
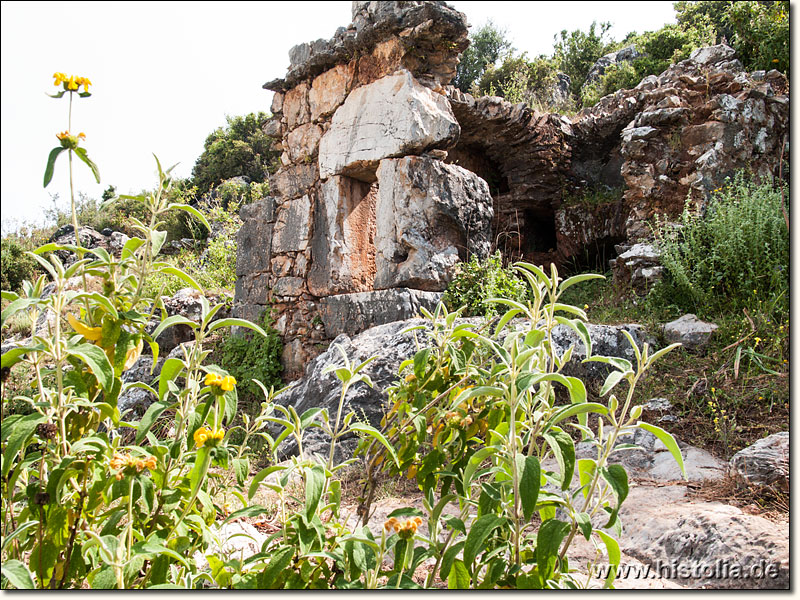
x=239 y=149
x=249 y=357
x=478 y=280
x=521 y=80
x=735 y=252
x=577 y=51
x=486 y=45
x=16 y=265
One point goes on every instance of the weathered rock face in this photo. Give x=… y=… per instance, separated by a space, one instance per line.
x=704 y=544
x=430 y=216
x=394 y=116
x=765 y=464
x=677 y=134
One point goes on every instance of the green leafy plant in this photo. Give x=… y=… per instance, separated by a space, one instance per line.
x=729 y=257
x=477 y=281
x=16 y=265
x=250 y=359
x=478 y=422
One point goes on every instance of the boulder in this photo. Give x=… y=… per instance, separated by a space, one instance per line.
x=138 y=399
x=765 y=464
x=318 y=389
x=350 y=314
x=703 y=544
x=627 y=54
x=690 y=331
x=184 y=302
x=653 y=461
x=391 y=117
x=430 y=215
x=638 y=266
x=391 y=347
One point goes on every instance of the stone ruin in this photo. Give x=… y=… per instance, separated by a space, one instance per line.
x=389 y=176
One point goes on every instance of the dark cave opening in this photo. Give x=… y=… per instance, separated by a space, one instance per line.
x=539 y=232
x=593 y=257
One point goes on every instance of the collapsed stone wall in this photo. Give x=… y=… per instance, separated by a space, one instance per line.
x=389 y=176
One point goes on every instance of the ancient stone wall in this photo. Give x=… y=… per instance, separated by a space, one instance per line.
x=367 y=221
x=389 y=176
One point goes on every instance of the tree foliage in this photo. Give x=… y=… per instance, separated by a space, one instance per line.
x=576 y=52
x=239 y=149
x=487 y=45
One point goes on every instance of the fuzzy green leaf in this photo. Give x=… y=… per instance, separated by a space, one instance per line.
x=51 y=163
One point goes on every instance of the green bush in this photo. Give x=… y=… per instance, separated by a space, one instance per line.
x=660 y=49
x=16 y=265
x=577 y=51
x=256 y=357
x=478 y=280
x=758 y=31
x=521 y=80
x=239 y=149
x=733 y=256
x=486 y=45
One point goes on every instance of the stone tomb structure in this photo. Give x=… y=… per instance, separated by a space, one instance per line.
x=389 y=176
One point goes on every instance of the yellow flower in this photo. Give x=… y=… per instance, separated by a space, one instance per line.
x=406 y=529
x=228 y=383
x=82 y=135
x=212 y=379
x=72 y=85
x=84 y=81
x=775 y=60
x=585 y=307
x=59 y=78
x=122 y=463
x=224 y=384
x=90 y=333
x=204 y=436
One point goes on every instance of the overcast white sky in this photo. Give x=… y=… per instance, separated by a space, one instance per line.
x=165 y=74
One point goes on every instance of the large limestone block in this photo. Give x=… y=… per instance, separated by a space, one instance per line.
x=430 y=215
x=329 y=90
x=350 y=314
x=394 y=116
x=303 y=142
x=343 y=245
x=765 y=464
x=254 y=238
x=292 y=182
x=293 y=226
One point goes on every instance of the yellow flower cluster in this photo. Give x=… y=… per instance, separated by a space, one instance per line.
x=71 y=83
x=405 y=529
x=65 y=134
x=226 y=384
x=121 y=462
x=204 y=436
